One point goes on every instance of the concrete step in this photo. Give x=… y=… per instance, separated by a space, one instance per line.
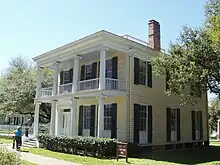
x=30 y=144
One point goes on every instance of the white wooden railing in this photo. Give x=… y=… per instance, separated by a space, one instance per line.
x=64 y=88
x=115 y=84
x=91 y=84
x=46 y=91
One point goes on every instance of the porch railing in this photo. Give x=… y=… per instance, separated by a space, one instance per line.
x=46 y=91
x=65 y=88
x=115 y=84
x=91 y=84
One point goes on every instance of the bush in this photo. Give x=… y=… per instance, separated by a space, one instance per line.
x=89 y=146
x=8 y=158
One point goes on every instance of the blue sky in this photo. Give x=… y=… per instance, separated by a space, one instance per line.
x=29 y=28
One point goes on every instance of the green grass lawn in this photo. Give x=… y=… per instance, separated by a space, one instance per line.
x=5 y=140
x=27 y=163
x=7 y=131
x=203 y=156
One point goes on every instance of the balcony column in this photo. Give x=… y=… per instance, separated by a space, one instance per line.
x=36 y=118
x=39 y=80
x=73 y=125
x=100 y=117
x=55 y=79
x=53 y=116
x=103 y=53
x=75 y=74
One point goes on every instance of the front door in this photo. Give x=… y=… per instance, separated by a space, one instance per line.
x=86 y=120
x=66 y=123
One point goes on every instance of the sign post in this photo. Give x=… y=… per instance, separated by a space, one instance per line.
x=122 y=150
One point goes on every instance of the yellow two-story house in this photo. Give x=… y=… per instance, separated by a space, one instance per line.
x=103 y=86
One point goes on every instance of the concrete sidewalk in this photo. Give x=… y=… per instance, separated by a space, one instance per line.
x=40 y=160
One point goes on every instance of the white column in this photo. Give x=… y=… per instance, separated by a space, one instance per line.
x=102 y=68
x=53 y=117
x=75 y=73
x=57 y=121
x=38 y=81
x=36 y=118
x=73 y=118
x=55 y=78
x=101 y=117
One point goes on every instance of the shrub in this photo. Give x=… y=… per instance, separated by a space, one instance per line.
x=89 y=146
x=9 y=158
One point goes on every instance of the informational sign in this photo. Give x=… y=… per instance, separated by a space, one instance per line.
x=122 y=150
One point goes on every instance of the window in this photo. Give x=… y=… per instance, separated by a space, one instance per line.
x=86 y=116
x=143 y=118
x=108 y=69
x=143 y=72
x=66 y=76
x=198 y=123
x=173 y=119
x=108 y=117
x=88 y=72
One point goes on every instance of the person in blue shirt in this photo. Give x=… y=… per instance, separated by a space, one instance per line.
x=18 y=137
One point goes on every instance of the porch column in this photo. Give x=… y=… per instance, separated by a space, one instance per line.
x=53 y=116
x=55 y=78
x=73 y=121
x=57 y=121
x=75 y=74
x=101 y=117
x=36 y=118
x=103 y=53
x=38 y=81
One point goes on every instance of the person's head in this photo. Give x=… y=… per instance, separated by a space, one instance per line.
x=18 y=128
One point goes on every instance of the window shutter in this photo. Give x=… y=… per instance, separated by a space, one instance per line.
x=150 y=124
x=98 y=68
x=115 y=67
x=94 y=70
x=136 y=123
x=71 y=75
x=149 y=74
x=9 y=120
x=80 y=125
x=193 y=125
x=22 y=122
x=178 y=125
x=168 y=125
x=136 y=71
x=114 y=121
x=61 y=77
x=201 y=126
x=92 y=121
x=82 y=75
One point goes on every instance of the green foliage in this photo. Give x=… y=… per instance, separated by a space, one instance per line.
x=214 y=114
x=89 y=146
x=8 y=158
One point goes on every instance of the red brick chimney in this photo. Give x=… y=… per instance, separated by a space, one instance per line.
x=154 y=34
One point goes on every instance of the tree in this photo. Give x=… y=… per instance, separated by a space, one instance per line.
x=214 y=114
x=18 y=89
x=192 y=65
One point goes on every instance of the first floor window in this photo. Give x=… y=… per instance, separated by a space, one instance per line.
x=143 y=118
x=86 y=116
x=173 y=119
x=198 y=125
x=107 y=117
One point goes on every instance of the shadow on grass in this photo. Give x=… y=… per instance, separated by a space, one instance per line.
x=190 y=156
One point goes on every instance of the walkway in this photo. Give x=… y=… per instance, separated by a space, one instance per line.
x=40 y=160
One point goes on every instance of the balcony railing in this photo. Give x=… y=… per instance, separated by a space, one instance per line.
x=91 y=84
x=65 y=88
x=46 y=91
x=115 y=84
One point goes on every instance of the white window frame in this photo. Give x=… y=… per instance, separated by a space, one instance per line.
x=88 y=70
x=86 y=117
x=173 y=128
x=143 y=73
x=108 y=68
x=107 y=116
x=66 y=76
x=144 y=118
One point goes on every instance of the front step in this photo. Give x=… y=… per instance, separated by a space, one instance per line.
x=30 y=144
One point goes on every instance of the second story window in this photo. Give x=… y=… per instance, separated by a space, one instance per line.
x=143 y=72
x=66 y=76
x=108 y=70
x=88 y=72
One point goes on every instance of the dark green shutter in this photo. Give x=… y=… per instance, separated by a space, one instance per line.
x=61 y=77
x=136 y=123
x=115 y=67
x=201 y=126
x=92 y=121
x=82 y=75
x=71 y=75
x=168 y=124
x=149 y=74
x=150 y=128
x=98 y=68
x=94 y=70
x=136 y=71
x=178 y=125
x=193 y=125
x=22 y=121
x=9 y=120
x=80 y=126
x=114 y=121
